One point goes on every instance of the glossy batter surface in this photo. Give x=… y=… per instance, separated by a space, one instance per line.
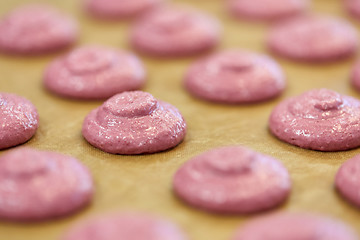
x=19 y=120
x=319 y=119
x=267 y=9
x=294 y=226
x=232 y=180
x=313 y=38
x=133 y=123
x=94 y=72
x=172 y=31
x=347 y=180
x=235 y=76
x=36 y=185
x=118 y=9
x=35 y=29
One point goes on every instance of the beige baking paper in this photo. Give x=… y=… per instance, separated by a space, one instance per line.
x=143 y=183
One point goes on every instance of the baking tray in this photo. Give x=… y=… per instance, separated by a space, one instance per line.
x=143 y=182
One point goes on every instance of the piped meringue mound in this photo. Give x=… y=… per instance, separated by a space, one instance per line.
x=19 y=120
x=353 y=7
x=37 y=185
x=265 y=10
x=134 y=123
x=94 y=72
x=313 y=38
x=319 y=119
x=232 y=180
x=173 y=32
x=36 y=29
x=347 y=180
x=120 y=9
x=235 y=76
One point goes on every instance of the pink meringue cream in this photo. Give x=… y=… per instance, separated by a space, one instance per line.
x=36 y=185
x=19 y=120
x=267 y=9
x=134 y=123
x=118 y=9
x=294 y=226
x=34 y=29
x=347 y=180
x=353 y=7
x=319 y=120
x=171 y=31
x=235 y=76
x=93 y=72
x=134 y=226
x=313 y=39
x=232 y=180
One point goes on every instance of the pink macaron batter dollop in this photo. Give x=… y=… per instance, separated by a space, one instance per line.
x=313 y=38
x=347 y=180
x=353 y=7
x=235 y=76
x=19 y=120
x=232 y=179
x=134 y=123
x=94 y=72
x=172 y=31
x=267 y=9
x=120 y=9
x=35 y=29
x=318 y=119
x=37 y=185
x=116 y=226
x=294 y=226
